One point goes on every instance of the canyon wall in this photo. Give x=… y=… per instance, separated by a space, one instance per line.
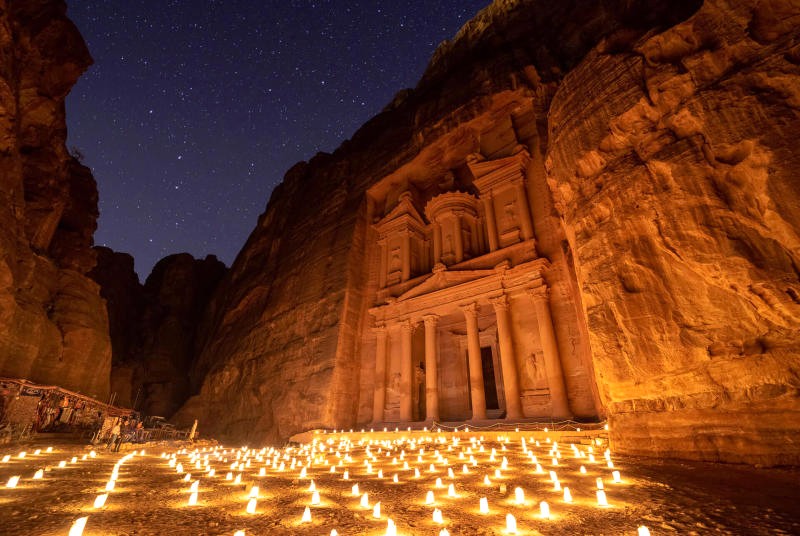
x=673 y=161
x=153 y=327
x=53 y=324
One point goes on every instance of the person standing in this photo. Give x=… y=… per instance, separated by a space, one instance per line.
x=115 y=431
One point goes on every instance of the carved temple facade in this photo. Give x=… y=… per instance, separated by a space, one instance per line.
x=461 y=325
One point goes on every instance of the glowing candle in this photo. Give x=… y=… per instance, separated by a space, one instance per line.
x=486 y=481
x=643 y=531
x=610 y=464
x=212 y=472
x=355 y=489
x=439 y=483
x=74 y=459
x=544 y=510
x=429 y=499
x=192 y=499
x=484 y=505
x=229 y=476
x=306 y=516
x=334 y=532
x=92 y=454
x=100 y=500
x=22 y=454
x=110 y=485
x=238 y=533
x=583 y=470
x=615 y=475
x=511 y=524
x=188 y=477
x=556 y=486
x=315 y=498
x=238 y=479
x=395 y=479
x=553 y=476
x=6 y=458
x=179 y=468
x=262 y=471
x=437 y=516
x=444 y=532
x=312 y=486
x=38 y=474
x=519 y=495
x=365 y=500
x=376 y=510
x=49 y=449
x=253 y=492
x=567 y=495
x=251 y=506
x=77 y=527
x=346 y=475
x=451 y=490
x=416 y=473
x=599 y=483
x=391 y=528
x=601 y=498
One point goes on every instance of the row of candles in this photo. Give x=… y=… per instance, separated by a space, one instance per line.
x=318 y=454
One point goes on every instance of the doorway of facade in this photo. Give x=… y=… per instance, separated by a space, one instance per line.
x=489 y=380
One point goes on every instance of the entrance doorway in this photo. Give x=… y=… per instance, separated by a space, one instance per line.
x=489 y=382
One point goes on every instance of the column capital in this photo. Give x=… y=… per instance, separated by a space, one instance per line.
x=470 y=309
x=541 y=293
x=430 y=320
x=407 y=324
x=379 y=328
x=500 y=303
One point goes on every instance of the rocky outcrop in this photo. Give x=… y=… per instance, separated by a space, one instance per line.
x=154 y=326
x=53 y=326
x=673 y=161
x=662 y=190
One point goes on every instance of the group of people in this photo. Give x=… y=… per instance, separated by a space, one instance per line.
x=130 y=430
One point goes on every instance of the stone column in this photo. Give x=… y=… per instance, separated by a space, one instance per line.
x=524 y=210
x=406 y=371
x=437 y=243
x=379 y=402
x=477 y=393
x=406 y=253
x=384 y=263
x=552 y=361
x=431 y=371
x=507 y=357
x=458 y=236
x=491 y=222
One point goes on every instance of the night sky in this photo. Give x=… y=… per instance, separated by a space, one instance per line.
x=194 y=110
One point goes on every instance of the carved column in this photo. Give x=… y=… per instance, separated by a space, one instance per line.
x=379 y=402
x=384 y=264
x=437 y=243
x=431 y=368
x=477 y=394
x=552 y=361
x=458 y=236
x=406 y=371
x=491 y=222
x=406 y=252
x=524 y=210
x=507 y=357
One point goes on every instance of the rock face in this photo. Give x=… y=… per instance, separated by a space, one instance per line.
x=154 y=326
x=53 y=326
x=662 y=192
x=673 y=163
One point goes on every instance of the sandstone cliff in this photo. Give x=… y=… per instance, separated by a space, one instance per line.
x=663 y=190
x=153 y=326
x=673 y=161
x=53 y=326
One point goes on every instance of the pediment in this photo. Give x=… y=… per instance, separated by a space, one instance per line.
x=443 y=280
x=404 y=211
